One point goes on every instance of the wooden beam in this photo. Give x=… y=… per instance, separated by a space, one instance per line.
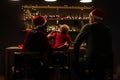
x=57 y=7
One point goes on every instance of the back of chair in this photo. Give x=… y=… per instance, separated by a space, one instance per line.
x=27 y=64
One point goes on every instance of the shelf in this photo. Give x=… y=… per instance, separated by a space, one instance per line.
x=64 y=19
x=74 y=16
x=57 y=7
x=58 y=19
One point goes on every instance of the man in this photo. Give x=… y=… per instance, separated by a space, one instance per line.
x=98 y=40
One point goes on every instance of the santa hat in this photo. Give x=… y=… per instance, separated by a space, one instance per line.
x=97 y=13
x=39 y=21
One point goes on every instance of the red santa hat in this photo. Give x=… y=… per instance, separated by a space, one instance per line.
x=39 y=21
x=97 y=13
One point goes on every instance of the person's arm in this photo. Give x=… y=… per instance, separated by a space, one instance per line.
x=52 y=34
x=69 y=40
x=80 y=38
x=25 y=40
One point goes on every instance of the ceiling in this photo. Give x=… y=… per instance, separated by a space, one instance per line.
x=42 y=2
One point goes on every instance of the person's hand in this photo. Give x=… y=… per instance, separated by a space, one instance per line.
x=52 y=34
x=20 y=46
x=66 y=44
x=28 y=29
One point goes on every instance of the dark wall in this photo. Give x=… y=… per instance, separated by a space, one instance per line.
x=10 y=34
x=112 y=19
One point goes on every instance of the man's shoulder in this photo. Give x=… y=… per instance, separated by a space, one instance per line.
x=35 y=34
x=87 y=26
x=38 y=32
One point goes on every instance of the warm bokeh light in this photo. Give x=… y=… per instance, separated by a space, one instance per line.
x=14 y=0
x=50 y=0
x=85 y=1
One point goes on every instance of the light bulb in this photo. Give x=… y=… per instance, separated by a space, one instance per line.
x=14 y=0
x=50 y=0
x=85 y=1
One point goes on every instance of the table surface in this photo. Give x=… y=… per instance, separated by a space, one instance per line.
x=16 y=47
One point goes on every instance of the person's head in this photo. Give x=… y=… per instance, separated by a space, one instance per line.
x=39 y=22
x=64 y=28
x=96 y=15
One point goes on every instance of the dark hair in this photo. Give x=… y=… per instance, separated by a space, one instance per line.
x=43 y=28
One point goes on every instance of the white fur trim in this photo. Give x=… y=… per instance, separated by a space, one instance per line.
x=97 y=17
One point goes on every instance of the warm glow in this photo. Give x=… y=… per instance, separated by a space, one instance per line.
x=85 y=1
x=50 y=0
x=14 y=0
